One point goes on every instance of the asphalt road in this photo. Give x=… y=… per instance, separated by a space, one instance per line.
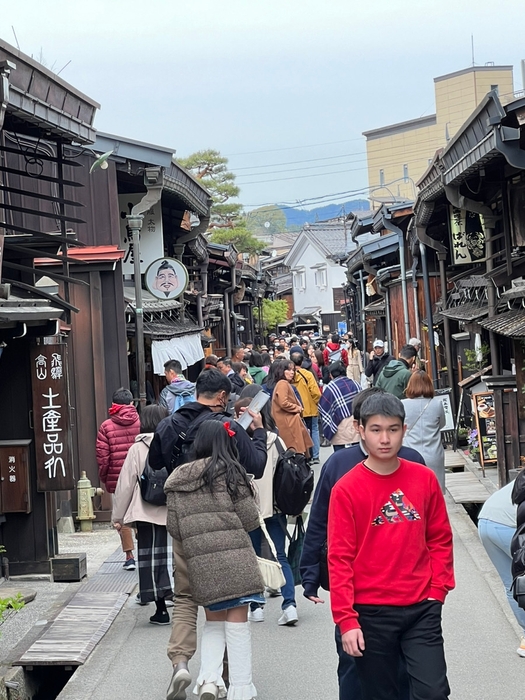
x=300 y=663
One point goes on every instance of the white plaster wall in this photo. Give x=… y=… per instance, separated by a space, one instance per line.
x=313 y=295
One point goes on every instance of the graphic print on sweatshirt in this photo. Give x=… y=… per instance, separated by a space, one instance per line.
x=396 y=510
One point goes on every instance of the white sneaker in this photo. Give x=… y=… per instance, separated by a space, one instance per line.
x=256 y=615
x=179 y=682
x=289 y=616
x=209 y=691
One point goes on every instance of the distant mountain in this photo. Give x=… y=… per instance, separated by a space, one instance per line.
x=299 y=217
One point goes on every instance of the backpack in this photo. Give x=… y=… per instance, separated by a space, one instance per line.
x=182 y=399
x=293 y=481
x=334 y=355
x=151 y=484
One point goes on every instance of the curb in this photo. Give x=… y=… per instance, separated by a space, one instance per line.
x=467 y=532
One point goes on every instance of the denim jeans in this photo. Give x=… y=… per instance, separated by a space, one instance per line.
x=496 y=538
x=275 y=525
x=312 y=424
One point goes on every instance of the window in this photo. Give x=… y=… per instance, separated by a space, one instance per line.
x=381 y=177
x=320 y=277
x=405 y=172
x=299 y=280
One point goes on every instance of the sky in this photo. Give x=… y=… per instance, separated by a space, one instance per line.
x=283 y=88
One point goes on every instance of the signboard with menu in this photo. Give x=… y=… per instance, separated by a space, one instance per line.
x=467 y=233
x=485 y=414
x=54 y=466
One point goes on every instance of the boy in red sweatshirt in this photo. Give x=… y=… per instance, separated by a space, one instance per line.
x=390 y=561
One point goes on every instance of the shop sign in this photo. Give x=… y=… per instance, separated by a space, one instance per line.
x=467 y=233
x=166 y=278
x=485 y=414
x=151 y=239
x=51 y=418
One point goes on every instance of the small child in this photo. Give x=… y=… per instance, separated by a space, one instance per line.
x=390 y=561
x=211 y=509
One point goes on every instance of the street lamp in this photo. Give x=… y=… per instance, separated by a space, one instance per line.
x=135 y=226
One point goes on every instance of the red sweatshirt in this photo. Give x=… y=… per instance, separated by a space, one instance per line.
x=389 y=540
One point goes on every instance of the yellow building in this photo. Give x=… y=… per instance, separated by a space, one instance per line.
x=399 y=154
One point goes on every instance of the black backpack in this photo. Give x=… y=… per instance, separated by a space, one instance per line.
x=293 y=481
x=152 y=485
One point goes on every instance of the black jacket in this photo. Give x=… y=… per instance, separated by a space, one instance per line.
x=375 y=366
x=180 y=430
x=237 y=383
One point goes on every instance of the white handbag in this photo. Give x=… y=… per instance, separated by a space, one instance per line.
x=271 y=571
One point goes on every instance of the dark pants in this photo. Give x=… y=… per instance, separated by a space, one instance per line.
x=348 y=676
x=338 y=447
x=413 y=631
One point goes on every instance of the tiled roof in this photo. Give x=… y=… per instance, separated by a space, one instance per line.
x=332 y=237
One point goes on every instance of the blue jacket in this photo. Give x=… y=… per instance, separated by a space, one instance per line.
x=334 y=468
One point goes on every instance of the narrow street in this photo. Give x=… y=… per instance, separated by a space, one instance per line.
x=297 y=663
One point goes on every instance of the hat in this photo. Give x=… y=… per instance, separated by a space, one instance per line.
x=378 y=343
x=296 y=348
x=264 y=347
x=273 y=335
x=414 y=342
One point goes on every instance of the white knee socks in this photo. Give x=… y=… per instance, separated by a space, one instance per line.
x=213 y=642
x=239 y=645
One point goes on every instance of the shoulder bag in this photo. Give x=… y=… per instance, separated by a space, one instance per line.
x=271 y=571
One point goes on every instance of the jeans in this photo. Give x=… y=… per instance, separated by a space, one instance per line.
x=496 y=538
x=312 y=424
x=348 y=677
x=409 y=631
x=275 y=526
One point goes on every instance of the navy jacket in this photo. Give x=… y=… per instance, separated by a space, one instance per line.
x=334 y=468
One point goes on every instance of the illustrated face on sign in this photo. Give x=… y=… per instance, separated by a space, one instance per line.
x=166 y=279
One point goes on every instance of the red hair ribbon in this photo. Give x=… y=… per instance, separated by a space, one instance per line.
x=227 y=428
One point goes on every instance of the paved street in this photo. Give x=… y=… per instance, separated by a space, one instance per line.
x=298 y=663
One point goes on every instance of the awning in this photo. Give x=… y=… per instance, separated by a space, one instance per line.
x=187 y=350
x=286 y=324
x=466 y=312
x=149 y=302
x=376 y=308
x=510 y=324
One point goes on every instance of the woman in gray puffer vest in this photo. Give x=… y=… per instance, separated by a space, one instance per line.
x=211 y=509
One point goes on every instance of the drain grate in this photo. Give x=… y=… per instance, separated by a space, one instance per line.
x=111 y=577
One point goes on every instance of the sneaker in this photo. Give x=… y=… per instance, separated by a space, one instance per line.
x=316 y=460
x=256 y=615
x=160 y=619
x=521 y=648
x=209 y=691
x=129 y=565
x=179 y=682
x=273 y=592
x=138 y=600
x=289 y=617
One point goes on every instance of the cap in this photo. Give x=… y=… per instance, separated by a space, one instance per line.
x=378 y=343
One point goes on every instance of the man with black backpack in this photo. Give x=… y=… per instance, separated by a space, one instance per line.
x=170 y=447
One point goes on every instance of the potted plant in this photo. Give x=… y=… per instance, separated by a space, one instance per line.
x=473 y=444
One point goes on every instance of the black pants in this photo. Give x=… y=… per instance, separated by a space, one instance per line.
x=347 y=675
x=413 y=631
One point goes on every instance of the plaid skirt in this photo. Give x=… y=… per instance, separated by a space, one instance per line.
x=154 y=562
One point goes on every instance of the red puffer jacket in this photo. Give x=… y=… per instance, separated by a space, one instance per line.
x=115 y=437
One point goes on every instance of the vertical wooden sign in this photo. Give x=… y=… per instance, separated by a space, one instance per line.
x=51 y=418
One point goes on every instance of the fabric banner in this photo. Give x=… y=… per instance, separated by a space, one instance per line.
x=187 y=350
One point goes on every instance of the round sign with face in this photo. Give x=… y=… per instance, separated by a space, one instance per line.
x=166 y=278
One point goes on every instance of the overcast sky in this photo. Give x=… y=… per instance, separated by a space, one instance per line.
x=266 y=82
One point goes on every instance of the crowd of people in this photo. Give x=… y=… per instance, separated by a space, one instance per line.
x=202 y=547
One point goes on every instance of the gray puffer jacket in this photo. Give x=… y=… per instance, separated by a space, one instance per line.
x=213 y=529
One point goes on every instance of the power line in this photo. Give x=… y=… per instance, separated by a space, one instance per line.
x=295 y=162
x=301 y=177
x=293 y=170
x=293 y=148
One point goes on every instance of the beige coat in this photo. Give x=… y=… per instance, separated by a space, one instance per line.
x=128 y=506
x=286 y=411
x=264 y=485
x=355 y=366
